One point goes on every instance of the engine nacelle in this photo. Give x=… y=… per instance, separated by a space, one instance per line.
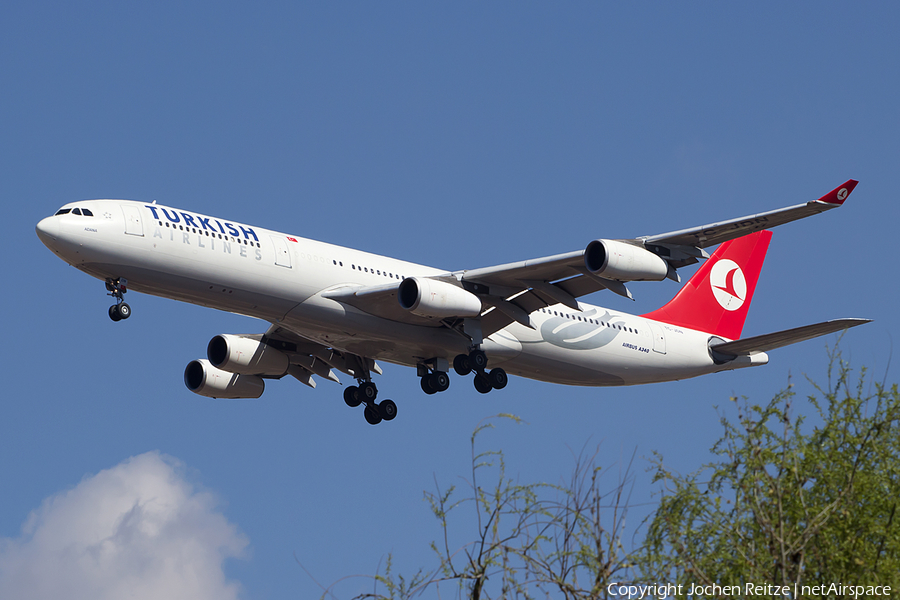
x=437 y=299
x=623 y=262
x=204 y=379
x=247 y=356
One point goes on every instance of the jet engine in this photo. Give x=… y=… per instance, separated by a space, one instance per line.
x=437 y=299
x=248 y=356
x=624 y=262
x=206 y=380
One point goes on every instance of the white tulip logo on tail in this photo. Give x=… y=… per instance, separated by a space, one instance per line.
x=728 y=284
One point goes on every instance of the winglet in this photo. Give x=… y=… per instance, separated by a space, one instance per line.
x=840 y=193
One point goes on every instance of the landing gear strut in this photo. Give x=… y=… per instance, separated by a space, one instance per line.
x=476 y=360
x=116 y=288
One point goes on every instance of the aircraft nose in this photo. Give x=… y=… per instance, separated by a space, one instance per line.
x=48 y=230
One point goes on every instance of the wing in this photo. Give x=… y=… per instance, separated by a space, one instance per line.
x=533 y=284
x=771 y=341
x=716 y=233
x=511 y=292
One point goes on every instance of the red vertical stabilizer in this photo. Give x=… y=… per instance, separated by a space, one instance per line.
x=716 y=299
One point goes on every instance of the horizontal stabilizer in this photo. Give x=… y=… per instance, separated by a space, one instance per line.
x=771 y=341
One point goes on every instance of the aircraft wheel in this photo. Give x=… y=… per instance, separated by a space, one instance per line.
x=387 y=409
x=482 y=383
x=114 y=313
x=461 y=365
x=124 y=310
x=367 y=391
x=441 y=381
x=351 y=396
x=477 y=360
x=498 y=378
x=372 y=415
x=428 y=384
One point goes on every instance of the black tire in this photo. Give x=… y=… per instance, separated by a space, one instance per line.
x=441 y=381
x=114 y=313
x=478 y=360
x=373 y=415
x=498 y=378
x=351 y=396
x=482 y=384
x=387 y=409
x=428 y=384
x=367 y=392
x=124 y=310
x=461 y=365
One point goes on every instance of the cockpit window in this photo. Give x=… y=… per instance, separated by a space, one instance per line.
x=75 y=211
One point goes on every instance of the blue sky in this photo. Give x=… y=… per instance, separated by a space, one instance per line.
x=458 y=136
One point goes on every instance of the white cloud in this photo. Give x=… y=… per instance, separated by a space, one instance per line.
x=136 y=531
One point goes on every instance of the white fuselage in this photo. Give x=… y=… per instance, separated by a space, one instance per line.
x=281 y=278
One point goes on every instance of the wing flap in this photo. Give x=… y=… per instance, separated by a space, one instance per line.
x=771 y=341
x=312 y=358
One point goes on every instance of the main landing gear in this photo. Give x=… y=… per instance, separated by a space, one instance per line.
x=435 y=381
x=366 y=393
x=485 y=381
x=116 y=288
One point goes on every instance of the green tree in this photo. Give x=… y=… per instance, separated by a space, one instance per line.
x=788 y=503
x=527 y=540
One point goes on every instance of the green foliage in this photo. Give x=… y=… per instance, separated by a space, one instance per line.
x=528 y=540
x=787 y=503
x=787 y=500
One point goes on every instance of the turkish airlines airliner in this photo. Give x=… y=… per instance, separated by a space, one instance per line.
x=334 y=308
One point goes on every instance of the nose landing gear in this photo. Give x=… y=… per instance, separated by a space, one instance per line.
x=116 y=288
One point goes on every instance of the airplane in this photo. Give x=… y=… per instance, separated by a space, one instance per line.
x=332 y=308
